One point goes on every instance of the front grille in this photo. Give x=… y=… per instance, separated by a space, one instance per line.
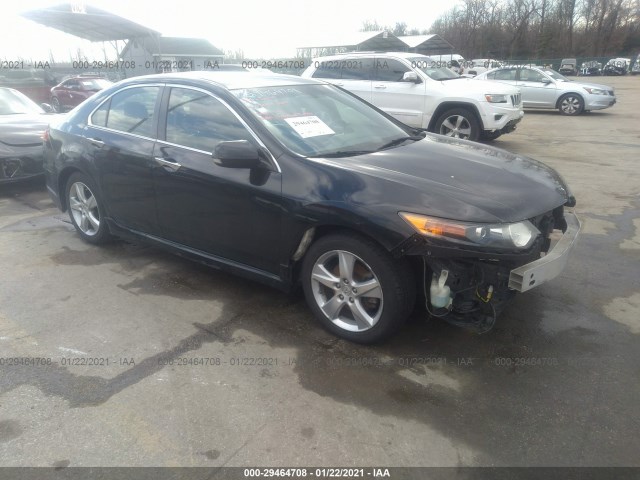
x=515 y=99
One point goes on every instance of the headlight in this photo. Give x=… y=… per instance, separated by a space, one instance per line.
x=596 y=91
x=496 y=98
x=519 y=235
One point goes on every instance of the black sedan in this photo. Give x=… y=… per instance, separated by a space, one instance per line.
x=292 y=181
x=22 y=123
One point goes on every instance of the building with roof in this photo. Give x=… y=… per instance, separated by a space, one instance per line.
x=381 y=41
x=145 y=50
x=170 y=54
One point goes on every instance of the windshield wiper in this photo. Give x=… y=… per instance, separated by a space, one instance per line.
x=398 y=141
x=343 y=153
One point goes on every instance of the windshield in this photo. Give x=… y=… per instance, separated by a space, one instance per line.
x=320 y=120
x=433 y=68
x=95 y=83
x=13 y=102
x=555 y=75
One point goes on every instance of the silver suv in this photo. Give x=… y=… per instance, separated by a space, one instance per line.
x=423 y=93
x=546 y=88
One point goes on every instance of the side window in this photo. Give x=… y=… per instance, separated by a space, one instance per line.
x=131 y=111
x=491 y=76
x=99 y=117
x=506 y=74
x=528 y=75
x=327 y=70
x=197 y=120
x=357 y=69
x=389 y=70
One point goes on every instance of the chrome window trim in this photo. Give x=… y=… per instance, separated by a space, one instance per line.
x=188 y=87
x=107 y=129
x=233 y=112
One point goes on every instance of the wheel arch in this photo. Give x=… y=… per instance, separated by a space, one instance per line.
x=63 y=178
x=444 y=106
x=319 y=231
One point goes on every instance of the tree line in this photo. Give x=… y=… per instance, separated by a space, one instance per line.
x=527 y=29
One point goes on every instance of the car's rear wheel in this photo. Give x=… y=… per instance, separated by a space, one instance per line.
x=356 y=289
x=86 y=210
x=458 y=123
x=571 y=104
x=55 y=103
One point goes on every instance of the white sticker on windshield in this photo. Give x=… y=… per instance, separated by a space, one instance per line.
x=309 y=126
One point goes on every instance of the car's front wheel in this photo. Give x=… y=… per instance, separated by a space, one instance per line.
x=86 y=210
x=458 y=123
x=356 y=289
x=571 y=104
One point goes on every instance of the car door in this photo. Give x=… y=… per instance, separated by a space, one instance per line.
x=538 y=90
x=120 y=137
x=232 y=213
x=401 y=99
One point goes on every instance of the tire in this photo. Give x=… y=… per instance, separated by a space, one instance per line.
x=55 y=103
x=331 y=289
x=458 y=123
x=86 y=209
x=571 y=104
x=490 y=136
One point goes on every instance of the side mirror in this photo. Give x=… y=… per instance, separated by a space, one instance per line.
x=410 y=77
x=46 y=107
x=236 y=154
x=546 y=81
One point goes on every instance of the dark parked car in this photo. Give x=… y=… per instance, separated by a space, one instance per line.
x=568 y=66
x=590 y=69
x=22 y=123
x=73 y=91
x=293 y=181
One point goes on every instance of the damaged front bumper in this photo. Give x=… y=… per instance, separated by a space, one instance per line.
x=551 y=265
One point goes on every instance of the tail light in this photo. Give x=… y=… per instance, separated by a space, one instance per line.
x=46 y=136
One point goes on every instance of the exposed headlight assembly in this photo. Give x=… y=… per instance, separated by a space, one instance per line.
x=496 y=98
x=520 y=235
x=596 y=91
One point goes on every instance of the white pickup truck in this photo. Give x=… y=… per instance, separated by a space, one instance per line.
x=424 y=93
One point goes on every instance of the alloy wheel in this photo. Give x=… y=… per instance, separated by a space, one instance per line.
x=347 y=291
x=456 y=126
x=570 y=105
x=84 y=208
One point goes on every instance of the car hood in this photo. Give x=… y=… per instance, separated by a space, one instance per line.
x=23 y=130
x=478 y=86
x=461 y=180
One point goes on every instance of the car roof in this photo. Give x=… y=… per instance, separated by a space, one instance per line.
x=380 y=54
x=228 y=79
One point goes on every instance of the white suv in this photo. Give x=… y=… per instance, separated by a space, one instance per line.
x=424 y=93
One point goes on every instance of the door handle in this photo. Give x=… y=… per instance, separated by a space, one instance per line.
x=380 y=87
x=339 y=84
x=96 y=142
x=170 y=165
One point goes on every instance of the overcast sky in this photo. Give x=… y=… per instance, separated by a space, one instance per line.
x=262 y=29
